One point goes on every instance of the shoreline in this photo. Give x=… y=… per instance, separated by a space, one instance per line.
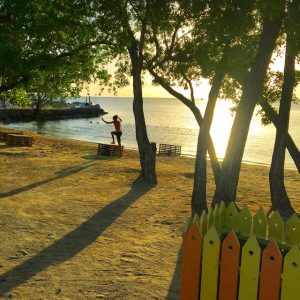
x=136 y=149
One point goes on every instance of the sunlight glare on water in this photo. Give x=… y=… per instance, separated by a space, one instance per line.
x=221 y=126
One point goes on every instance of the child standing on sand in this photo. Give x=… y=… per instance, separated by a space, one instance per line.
x=118 y=132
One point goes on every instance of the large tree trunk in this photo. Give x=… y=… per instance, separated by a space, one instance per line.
x=253 y=87
x=291 y=146
x=147 y=150
x=279 y=196
x=199 y=191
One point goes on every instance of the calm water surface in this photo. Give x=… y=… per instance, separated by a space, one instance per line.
x=169 y=121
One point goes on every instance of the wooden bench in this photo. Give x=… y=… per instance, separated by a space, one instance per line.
x=166 y=149
x=110 y=150
x=5 y=133
x=19 y=140
x=231 y=255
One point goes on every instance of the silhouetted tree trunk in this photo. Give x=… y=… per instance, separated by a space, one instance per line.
x=253 y=87
x=38 y=106
x=147 y=150
x=279 y=195
x=199 y=191
x=291 y=146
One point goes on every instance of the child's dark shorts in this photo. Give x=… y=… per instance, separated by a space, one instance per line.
x=118 y=135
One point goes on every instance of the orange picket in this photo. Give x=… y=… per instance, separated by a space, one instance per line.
x=191 y=264
x=230 y=258
x=269 y=288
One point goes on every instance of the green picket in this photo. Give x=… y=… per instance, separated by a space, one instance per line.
x=222 y=209
x=231 y=216
x=245 y=222
x=210 y=265
x=217 y=217
x=276 y=227
x=210 y=217
x=203 y=223
x=187 y=224
x=260 y=223
x=196 y=220
x=292 y=231
x=290 y=287
x=249 y=273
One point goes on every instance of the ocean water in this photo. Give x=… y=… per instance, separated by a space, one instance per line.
x=169 y=121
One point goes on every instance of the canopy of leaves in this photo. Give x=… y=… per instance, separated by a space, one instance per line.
x=49 y=41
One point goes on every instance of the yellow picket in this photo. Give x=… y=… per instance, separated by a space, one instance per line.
x=245 y=222
x=231 y=217
x=260 y=223
x=276 y=227
x=210 y=265
x=249 y=273
x=290 y=288
x=292 y=231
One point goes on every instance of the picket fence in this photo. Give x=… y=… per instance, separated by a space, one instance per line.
x=229 y=255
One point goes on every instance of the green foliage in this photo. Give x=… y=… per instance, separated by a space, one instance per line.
x=52 y=46
x=16 y=96
x=271 y=8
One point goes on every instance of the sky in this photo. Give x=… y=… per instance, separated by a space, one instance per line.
x=149 y=90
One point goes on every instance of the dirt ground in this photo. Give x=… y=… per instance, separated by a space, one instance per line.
x=75 y=225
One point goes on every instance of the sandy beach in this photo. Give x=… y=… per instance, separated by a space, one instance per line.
x=75 y=225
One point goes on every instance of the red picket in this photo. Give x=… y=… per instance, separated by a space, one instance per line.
x=191 y=264
x=230 y=258
x=269 y=288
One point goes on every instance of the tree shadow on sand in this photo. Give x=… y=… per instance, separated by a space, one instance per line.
x=173 y=292
x=60 y=174
x=75 y=241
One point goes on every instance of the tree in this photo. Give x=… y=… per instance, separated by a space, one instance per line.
x=129 y=21
x=279 y=197
x=203 y=46
x=252 y=91
x=38 y=38
x=44 y=37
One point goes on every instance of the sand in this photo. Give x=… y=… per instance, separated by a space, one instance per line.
x=75 y=225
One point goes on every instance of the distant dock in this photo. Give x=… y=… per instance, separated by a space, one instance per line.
x=27 y=114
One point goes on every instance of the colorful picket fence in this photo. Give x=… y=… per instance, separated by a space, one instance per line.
x=229 y=255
